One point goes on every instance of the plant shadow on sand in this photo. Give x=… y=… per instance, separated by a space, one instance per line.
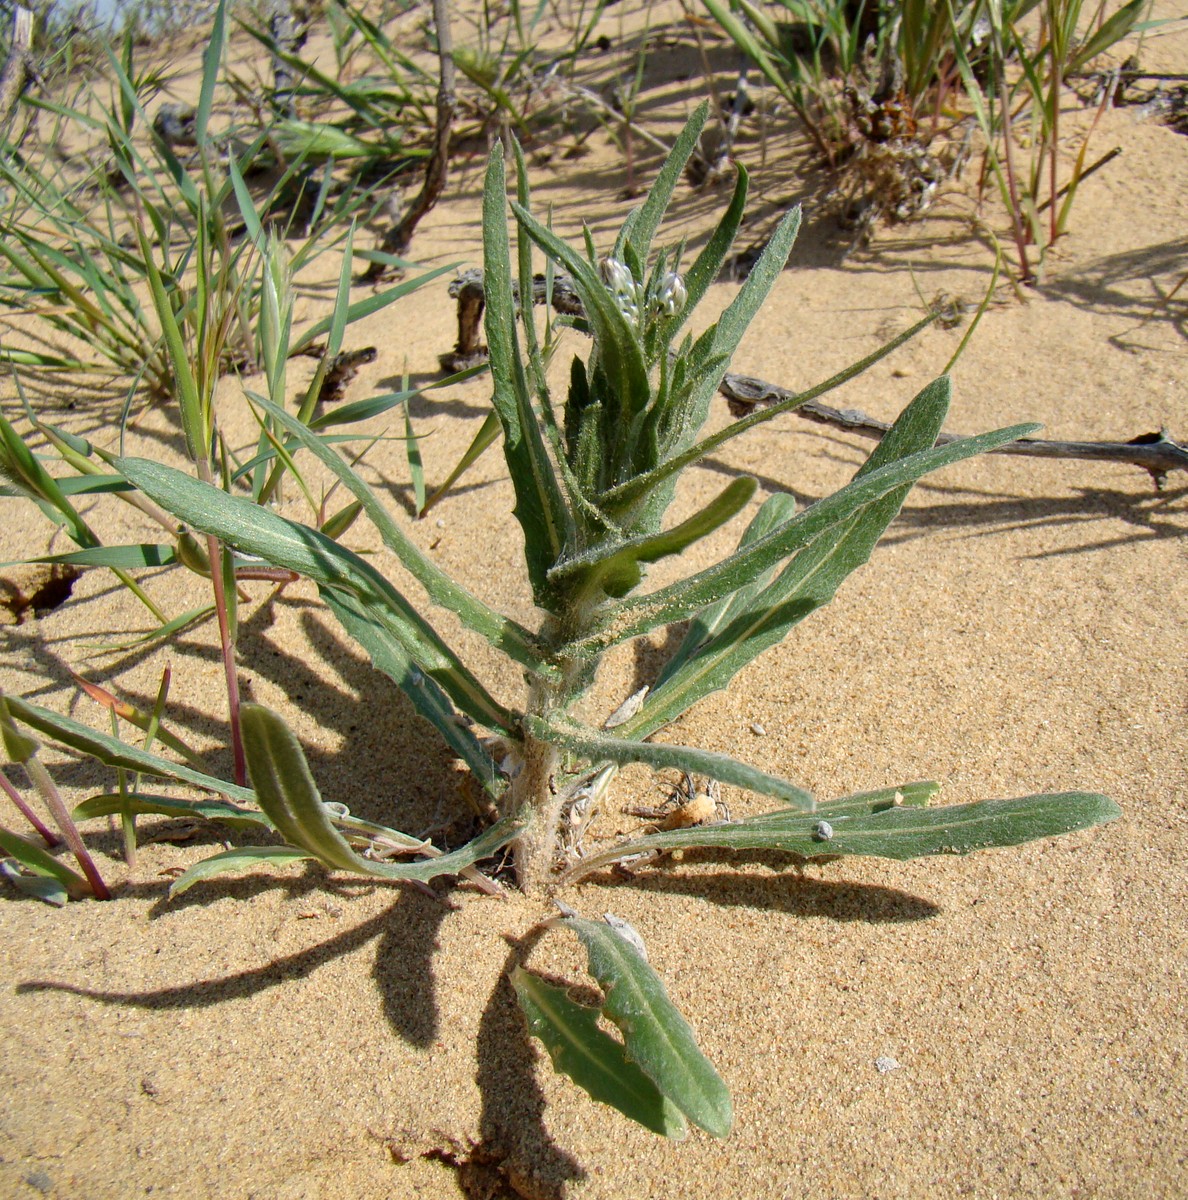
x=512 y=1152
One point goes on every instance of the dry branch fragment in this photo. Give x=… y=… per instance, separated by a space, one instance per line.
x=18 y=67
x=398 y=239
x=1157 y=453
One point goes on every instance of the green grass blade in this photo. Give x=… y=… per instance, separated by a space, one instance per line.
x=592 y=1058
x=656 y=1035
x=146 y=554
x=115 y=753
x=212 y=59
x=150 y=804
x=367 y=306
x=488 y=433
x=416 y=465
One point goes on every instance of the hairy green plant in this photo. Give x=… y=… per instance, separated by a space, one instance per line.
x=594 y=477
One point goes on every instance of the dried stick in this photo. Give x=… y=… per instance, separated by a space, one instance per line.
x=399 y=237
x=1157 y=453
x=18 y=67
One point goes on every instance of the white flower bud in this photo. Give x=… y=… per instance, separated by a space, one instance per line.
x=621 y=284
x=672 y=296
x=616 y=276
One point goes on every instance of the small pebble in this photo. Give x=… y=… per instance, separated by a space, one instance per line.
x=758 y=729
x=41 y=1181
x=823 y=831
x=885 y=1064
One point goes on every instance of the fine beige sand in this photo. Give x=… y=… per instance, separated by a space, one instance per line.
x=293 y=1033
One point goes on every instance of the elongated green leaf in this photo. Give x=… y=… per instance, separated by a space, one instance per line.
x=775 y=511
x=148 y=804
x=887 y=831
x=376 y=406
x=167 y=630
x=640 y=228
x=502 y=633
x=23 y=469
x=390 y=657
x=242 y=858
x=212 y=59
x=286 y=791
x=684 y=599
x=114 y=753
x=737 y=630
x=732 y=324
x=41 y=887
x=617 y=570
x=36 y=859
x=598 y=747
x=1112 y=30
x=540 y=507
x=81 y=485
x=708 y=264
x=591 y=1057
x=751 y=47
x=190 y=401
x=488 y=432
x=256 y=530
x=628 y=493
x=146 y=554
x=657 y=1036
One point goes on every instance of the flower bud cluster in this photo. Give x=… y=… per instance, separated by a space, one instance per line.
x=669 y=297
x=672 y=296
x=622 y=286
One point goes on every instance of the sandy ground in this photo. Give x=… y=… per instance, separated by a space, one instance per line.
x=295 y=1034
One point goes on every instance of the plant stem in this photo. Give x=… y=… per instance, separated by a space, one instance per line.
x=50 y=838
x=215 y=551
x=531 y=794
x=53 y=801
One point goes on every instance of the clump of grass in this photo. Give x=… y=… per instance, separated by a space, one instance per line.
x=1017 y=99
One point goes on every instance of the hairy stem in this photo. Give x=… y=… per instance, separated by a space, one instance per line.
x=532 y=795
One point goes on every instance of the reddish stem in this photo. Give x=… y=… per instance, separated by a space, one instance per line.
x=50 y=838
x=57 y=806
x=215 y=551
